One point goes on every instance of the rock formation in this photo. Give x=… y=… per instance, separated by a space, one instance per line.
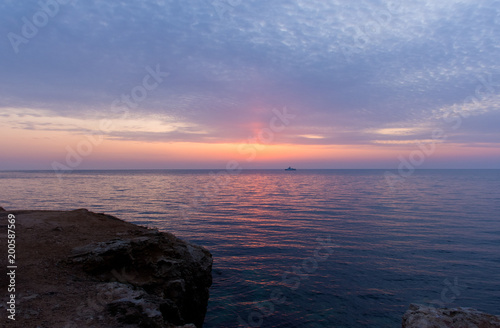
x=82 y=269
x=420 y=316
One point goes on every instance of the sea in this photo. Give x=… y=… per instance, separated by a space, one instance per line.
x=307 y=248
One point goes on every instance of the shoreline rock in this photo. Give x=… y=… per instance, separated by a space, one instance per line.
x=421 y=316
x=83 y=269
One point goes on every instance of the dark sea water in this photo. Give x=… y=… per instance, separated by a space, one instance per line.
x=311 y=248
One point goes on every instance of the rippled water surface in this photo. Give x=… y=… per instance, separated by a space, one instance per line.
x=312 y=248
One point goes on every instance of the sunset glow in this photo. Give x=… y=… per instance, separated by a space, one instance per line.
x=267 y=91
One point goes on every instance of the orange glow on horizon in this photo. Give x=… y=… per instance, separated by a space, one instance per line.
x=46 y=147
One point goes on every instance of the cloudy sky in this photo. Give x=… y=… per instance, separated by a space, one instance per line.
x=201 y=83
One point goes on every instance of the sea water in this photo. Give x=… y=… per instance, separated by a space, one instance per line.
x=307 y=248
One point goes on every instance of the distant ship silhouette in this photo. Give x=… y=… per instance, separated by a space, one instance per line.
x=290 y=169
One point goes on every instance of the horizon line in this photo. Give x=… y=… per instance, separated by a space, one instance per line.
x=242 y=169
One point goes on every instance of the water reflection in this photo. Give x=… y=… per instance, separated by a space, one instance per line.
x=396 y=246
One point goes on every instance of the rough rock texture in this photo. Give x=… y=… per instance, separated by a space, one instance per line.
x=420 y=316
x=82 y=269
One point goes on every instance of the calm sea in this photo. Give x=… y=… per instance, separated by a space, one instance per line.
x=310 y=248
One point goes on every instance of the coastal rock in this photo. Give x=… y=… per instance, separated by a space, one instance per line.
x=2 y=209
x=83 y=269
x=174 y=274
x=420 y=316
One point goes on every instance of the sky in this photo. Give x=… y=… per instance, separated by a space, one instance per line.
x=170 y=84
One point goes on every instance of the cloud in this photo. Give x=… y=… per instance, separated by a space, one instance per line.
x=350 y=71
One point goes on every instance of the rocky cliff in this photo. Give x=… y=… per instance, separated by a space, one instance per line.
x=82 y=269
x=420 y=316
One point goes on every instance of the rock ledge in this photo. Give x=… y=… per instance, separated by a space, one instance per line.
x=82 y=269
